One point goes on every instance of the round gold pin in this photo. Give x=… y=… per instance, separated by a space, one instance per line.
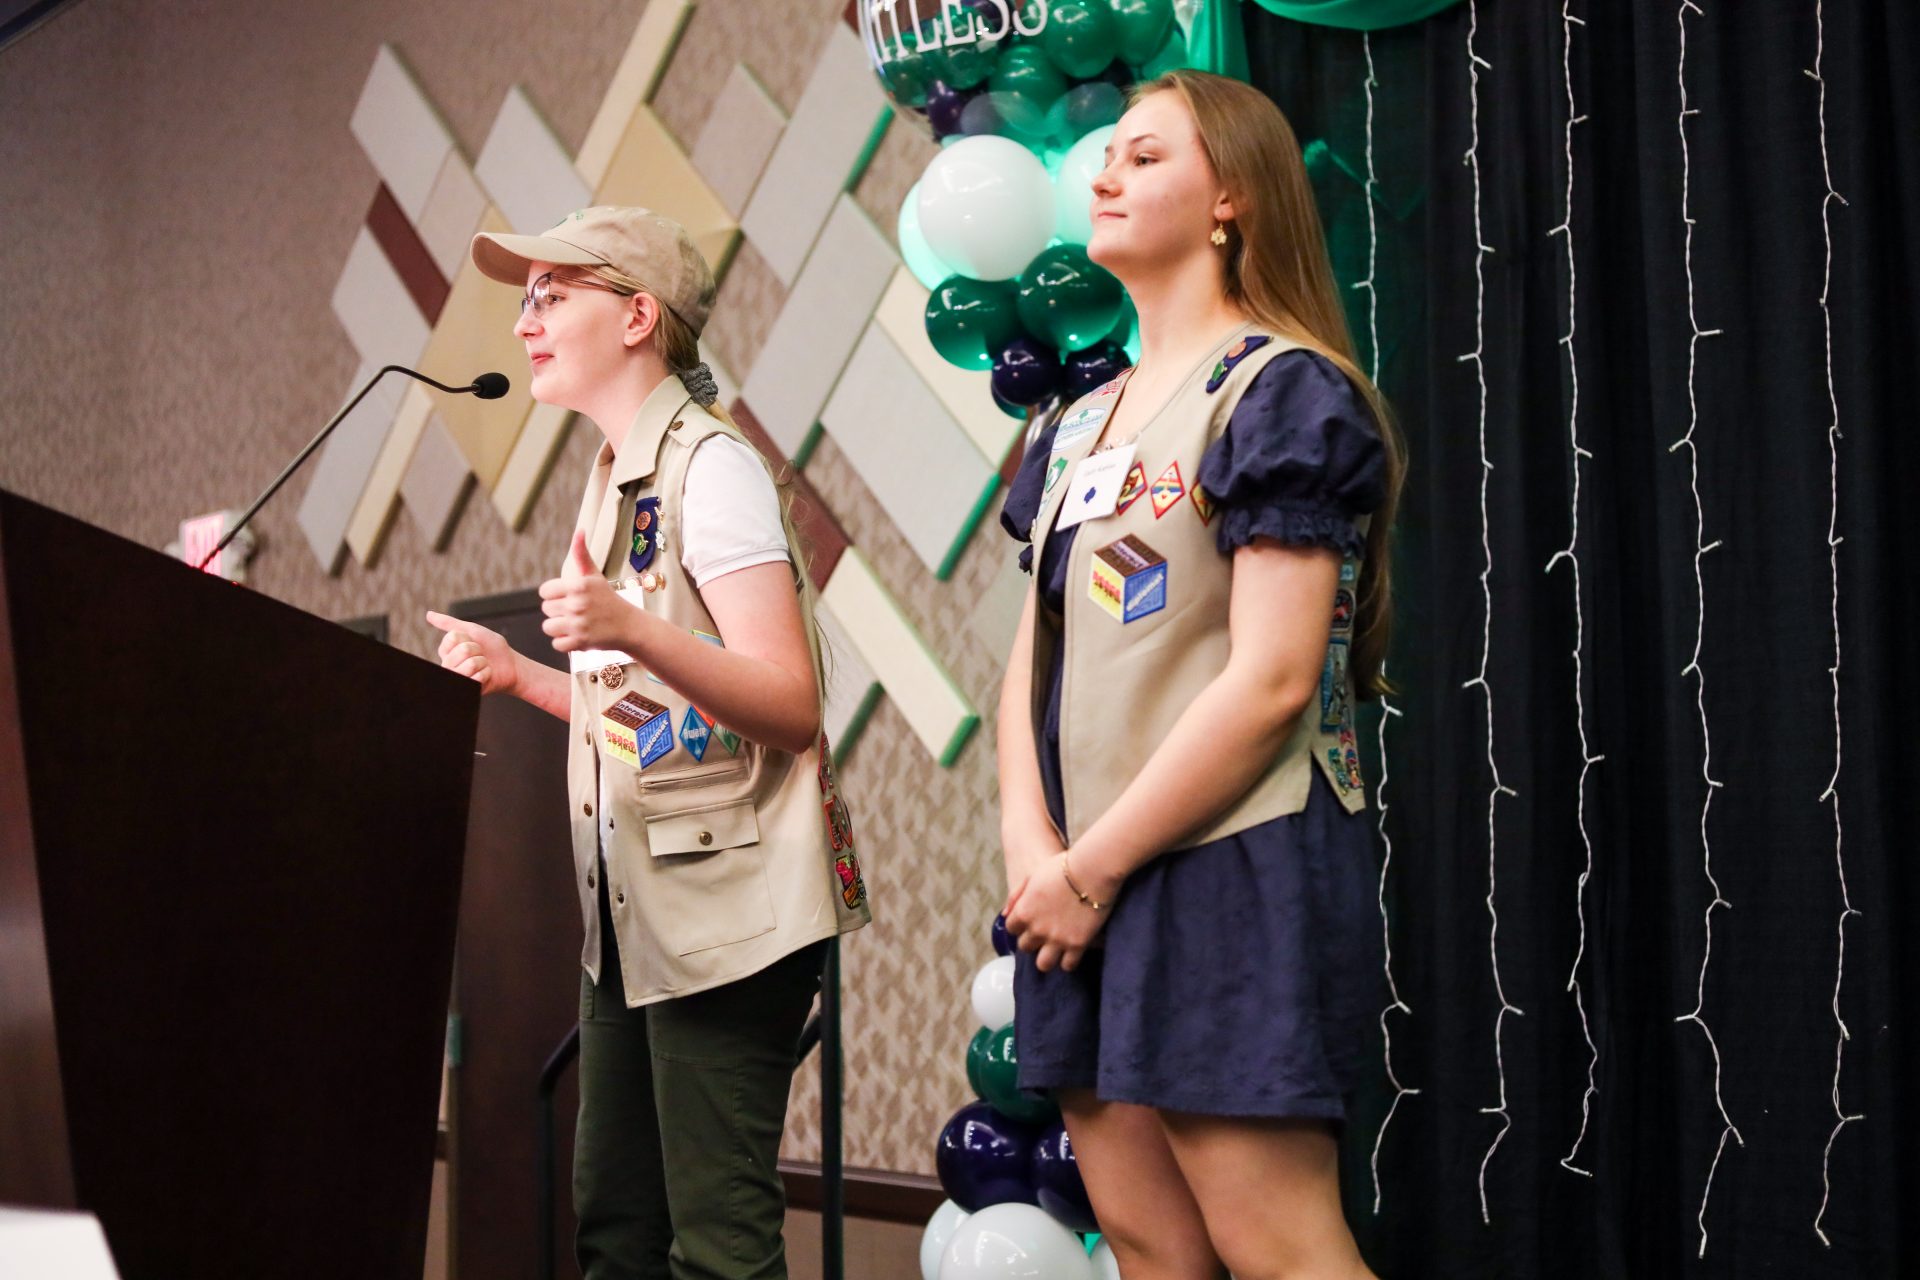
x=613 y=676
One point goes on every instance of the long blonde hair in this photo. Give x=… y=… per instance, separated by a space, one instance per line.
x=1278 y=273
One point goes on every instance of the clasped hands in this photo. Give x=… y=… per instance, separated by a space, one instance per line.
x=1046 y=916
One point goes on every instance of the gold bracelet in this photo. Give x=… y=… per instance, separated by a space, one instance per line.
x=1065 y=871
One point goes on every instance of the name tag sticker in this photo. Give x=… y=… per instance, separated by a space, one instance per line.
x=1129 y=579
x=1095 y=488
x=636 y=730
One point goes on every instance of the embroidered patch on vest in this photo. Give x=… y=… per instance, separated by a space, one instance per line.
x=1335 y=710
x=1167 y=490
x=646 y=535
x=695 y=733
x=1235 y=354
x=853 y=888
x=1345 y=760
x=636 y=730
x=1342 y=611
x=1129 y=579
x=1131 y=489
x=1080 y=425
x=728 y=739
x=1203 y=504
x=1055 y=469
x=846 y=865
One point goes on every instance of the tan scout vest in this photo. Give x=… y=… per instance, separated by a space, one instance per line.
x=719 y=865
x=1127 y=682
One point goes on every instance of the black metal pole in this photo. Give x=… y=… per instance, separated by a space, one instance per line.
x=833 y=1186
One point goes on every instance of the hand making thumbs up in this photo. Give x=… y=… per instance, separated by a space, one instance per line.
x=583 y=612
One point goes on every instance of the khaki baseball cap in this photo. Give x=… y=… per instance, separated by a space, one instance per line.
x=651 y=250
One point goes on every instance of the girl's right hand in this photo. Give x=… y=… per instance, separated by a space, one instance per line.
x=1024 y=856
x=471 y=650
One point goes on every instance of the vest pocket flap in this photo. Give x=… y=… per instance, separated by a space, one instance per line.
x=725 y=826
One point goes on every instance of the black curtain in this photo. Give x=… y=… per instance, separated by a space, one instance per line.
x=1755 y=713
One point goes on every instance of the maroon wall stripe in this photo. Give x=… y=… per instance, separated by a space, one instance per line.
x=393 y=232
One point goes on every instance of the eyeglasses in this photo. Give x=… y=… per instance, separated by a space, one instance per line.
x=542 y=295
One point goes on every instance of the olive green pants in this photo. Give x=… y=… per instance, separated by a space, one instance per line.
x=682 y=1107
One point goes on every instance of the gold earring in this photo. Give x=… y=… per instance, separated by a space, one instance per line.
x=1219 y=235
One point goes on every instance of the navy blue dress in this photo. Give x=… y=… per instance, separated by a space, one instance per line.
x=1238 y=977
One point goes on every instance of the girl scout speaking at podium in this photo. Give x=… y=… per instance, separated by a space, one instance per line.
x=712 y=850
x=1178 y=770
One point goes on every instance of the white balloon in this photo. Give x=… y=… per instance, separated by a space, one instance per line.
x=933 y=1243
x=986 y=207
x=1105 y=1265
x=1073 y=186
x=993 y=992
x=1014 y=1242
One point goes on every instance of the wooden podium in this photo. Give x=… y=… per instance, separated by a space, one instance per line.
x=230 y=851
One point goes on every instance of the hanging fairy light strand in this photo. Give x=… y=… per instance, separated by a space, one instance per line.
x=1831 y=796
x=1387 y=710
x=1496 y=789
x=1571 y=554
x=1694 y=668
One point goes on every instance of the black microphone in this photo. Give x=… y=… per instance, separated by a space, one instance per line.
x=488 y=386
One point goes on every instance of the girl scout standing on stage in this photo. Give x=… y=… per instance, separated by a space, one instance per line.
x=712 y=850
x=1188 y=855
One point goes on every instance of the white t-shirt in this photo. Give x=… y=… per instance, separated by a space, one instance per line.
x=729 y=512
x=729 y=520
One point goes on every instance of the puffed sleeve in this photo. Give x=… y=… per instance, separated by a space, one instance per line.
x=1024 y=498
x=1301 y=459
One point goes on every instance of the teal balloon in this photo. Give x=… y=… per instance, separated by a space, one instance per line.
x=1081 y=37
x=914 y=250
x=969 y=321
x=1142 y=27
x=1068 y=300
x=998 y=1071
x=1024 y=76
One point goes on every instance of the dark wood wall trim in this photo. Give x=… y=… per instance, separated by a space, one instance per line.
x=879 y=1194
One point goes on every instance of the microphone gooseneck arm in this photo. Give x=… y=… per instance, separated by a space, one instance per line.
x=488 y=386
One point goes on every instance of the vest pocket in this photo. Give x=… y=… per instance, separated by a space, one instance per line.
x=713 y=862
x=702 y=830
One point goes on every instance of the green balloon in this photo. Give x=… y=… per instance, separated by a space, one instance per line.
x=998 y=1071
x=970 y=320
x=1081 y=37
x=1067 y=299
x=1026 y=77
x=976 y=1055
x=970 y=64
x=1126 y=329
x=911 y=70
x=1171 y=57
x=1142 y=27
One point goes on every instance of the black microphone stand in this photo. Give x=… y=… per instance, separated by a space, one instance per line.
x=291 y=467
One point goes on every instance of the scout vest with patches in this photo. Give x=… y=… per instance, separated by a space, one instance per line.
x=725 y=855
x=1144 y=627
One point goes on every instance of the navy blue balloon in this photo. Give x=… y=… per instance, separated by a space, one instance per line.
x=1094 y=366
x=944 y=104
x=1002 y=940
x=986 y=1158
x=1026 y=372
x=1057 y=1184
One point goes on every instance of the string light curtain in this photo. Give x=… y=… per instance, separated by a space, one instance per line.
x=1685 y=274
